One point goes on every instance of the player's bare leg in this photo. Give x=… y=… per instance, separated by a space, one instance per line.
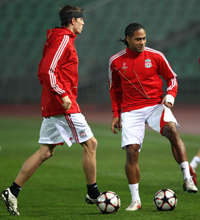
x=33 y=162
x=89 y=160
x=178 y=147
x=133 y=175
x=9 y=195
x=132 y=167
x=178 y=160
x=180 y=155
x=89 y=168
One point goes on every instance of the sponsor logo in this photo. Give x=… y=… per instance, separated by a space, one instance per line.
x=124 y=66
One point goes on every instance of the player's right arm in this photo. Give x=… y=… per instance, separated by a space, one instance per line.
x=66 y=102
x=116 y=125
x=116 y=96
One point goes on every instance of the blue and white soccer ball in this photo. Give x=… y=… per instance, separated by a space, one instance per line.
x=165 y=200
x=108 y=202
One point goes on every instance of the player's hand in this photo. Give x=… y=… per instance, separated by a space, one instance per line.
x=116 y=125
x=168 y=104
x=67 y=103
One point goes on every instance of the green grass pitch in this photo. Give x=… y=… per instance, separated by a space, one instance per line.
x=57 y=189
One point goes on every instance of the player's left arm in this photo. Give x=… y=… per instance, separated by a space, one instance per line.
x=170 y=77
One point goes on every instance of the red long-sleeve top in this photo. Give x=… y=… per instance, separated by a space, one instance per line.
x=58 y=72
x=136 y=79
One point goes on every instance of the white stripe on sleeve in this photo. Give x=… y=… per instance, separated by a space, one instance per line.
x=53 y=65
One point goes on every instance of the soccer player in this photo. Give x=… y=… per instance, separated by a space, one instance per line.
x=135 y=77
x=62 y=118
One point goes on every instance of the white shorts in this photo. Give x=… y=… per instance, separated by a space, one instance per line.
x=72 y=128
x=133 y=122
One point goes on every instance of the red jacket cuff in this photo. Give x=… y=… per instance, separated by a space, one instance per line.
x=64 y=94
x=116 y=114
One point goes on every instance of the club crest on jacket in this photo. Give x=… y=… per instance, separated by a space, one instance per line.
x=148 y=63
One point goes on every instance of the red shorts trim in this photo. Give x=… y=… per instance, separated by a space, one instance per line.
x=72 y=127
x=162 y=122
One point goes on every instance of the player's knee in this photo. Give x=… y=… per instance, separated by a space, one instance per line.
x=93 y=144
x=46 y=153
x=133 y=148
x=49 y=154
x=90 y=147
x=132 y=152
x=169 y=130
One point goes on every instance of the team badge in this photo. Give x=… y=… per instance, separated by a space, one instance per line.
x=148 y=63
x=82 y=133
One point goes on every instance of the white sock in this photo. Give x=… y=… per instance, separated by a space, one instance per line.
x=185 y=170
x=195 y=161
x=134 y=189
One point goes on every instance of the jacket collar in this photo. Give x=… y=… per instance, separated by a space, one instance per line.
x=132 y=53
x=61 y=31
x=69 y=32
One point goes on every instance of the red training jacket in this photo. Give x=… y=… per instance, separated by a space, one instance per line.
x=58 y=72
x=135 y=79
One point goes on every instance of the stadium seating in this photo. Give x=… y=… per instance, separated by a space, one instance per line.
x=23 y=32
x=185 y=57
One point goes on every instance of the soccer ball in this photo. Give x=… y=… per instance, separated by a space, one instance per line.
x=108 y=202
x=165 y=200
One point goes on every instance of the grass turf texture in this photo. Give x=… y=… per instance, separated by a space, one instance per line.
x=57 y=190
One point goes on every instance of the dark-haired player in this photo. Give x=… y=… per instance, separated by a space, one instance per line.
x=62 y=119
x=136 y=77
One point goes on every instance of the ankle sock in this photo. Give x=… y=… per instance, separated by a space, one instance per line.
x=93 y=190
x=134 y=189
x=15 y=189
x=185 y=170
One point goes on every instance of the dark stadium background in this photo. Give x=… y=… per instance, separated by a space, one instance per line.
x=173 y=26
